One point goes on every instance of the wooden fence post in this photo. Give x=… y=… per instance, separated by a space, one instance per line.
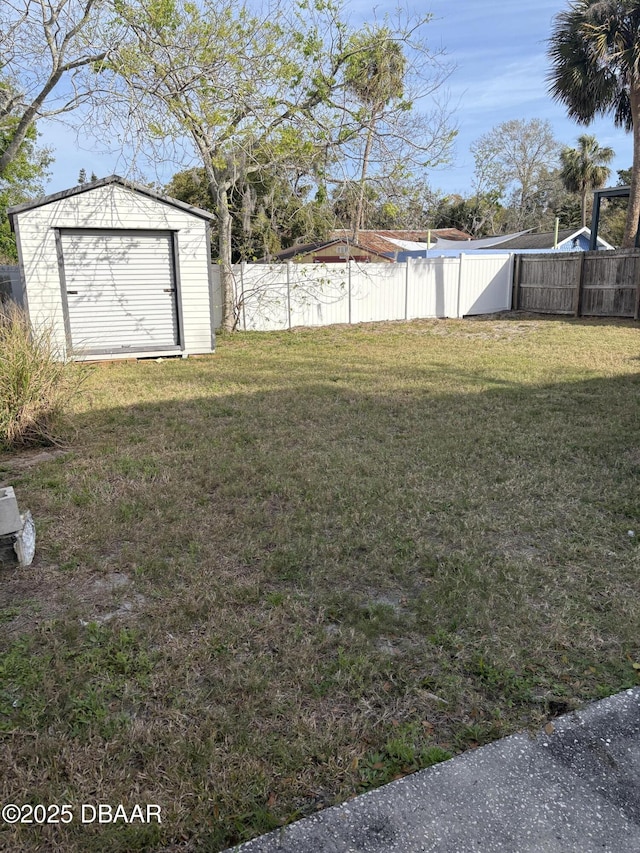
x=577 y=299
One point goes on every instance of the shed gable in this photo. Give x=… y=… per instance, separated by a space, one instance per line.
x=167 y=246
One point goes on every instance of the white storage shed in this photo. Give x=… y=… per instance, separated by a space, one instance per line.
x=118 y=270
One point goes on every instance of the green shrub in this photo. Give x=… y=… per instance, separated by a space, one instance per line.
x=36 y=385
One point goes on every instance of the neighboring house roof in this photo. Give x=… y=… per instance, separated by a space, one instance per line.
x=387 y=242
x=308 y=248
x=546 y=239
x=103 y=182
x=301 y=249
x=370 y=240
x=390 y=245
x=383 y=243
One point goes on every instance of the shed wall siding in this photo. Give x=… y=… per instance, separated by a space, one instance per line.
x=116 y=207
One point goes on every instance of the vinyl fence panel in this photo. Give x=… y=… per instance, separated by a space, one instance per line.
x=262 y=297
x=319 y=294
x=378 y=292
x=280 y=296
x=485 y=284
x=433 y=287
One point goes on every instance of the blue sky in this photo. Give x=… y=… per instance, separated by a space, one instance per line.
x=499 y=49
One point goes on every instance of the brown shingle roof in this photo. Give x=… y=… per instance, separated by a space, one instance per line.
x=307 y=248
x=375 y=239
x=303 y=249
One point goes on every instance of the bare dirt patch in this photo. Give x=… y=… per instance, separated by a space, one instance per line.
x=32 y=596
x=29 y=459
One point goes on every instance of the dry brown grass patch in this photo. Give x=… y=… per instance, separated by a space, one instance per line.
x=359 y=551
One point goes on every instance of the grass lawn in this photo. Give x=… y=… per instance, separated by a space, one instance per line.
x=273 y=578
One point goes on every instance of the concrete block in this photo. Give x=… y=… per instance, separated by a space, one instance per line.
x=10 y=521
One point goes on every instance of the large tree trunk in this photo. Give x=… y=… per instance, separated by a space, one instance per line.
x=357 y=225
x=219 y=187
x=224 y=256
x=633 y=209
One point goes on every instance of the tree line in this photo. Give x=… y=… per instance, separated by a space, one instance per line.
x=296 y=121
x=523 y=179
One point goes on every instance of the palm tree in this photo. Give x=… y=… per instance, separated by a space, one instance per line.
x=584 y=169
x=595 y=52
x=375 y=72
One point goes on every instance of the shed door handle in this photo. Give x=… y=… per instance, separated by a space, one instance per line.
x=169 y=290
x=72 y=292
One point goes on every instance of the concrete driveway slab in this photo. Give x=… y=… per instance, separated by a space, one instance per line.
x=575 y=789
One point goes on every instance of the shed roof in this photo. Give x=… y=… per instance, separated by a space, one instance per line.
x=103 y=182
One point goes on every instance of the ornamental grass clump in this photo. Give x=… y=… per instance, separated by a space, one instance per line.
x=36 y=386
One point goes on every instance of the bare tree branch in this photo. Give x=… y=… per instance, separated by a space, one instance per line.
x=43 y=46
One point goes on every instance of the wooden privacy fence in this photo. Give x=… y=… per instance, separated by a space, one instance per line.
x=584 y=284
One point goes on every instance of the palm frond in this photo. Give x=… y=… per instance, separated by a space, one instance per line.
x=594 y=50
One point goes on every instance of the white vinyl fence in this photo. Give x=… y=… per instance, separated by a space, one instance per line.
x=279 y=296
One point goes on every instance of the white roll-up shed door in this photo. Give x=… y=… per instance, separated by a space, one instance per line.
x=120 y=290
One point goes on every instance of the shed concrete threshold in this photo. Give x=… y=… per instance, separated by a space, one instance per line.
x=575 y=789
